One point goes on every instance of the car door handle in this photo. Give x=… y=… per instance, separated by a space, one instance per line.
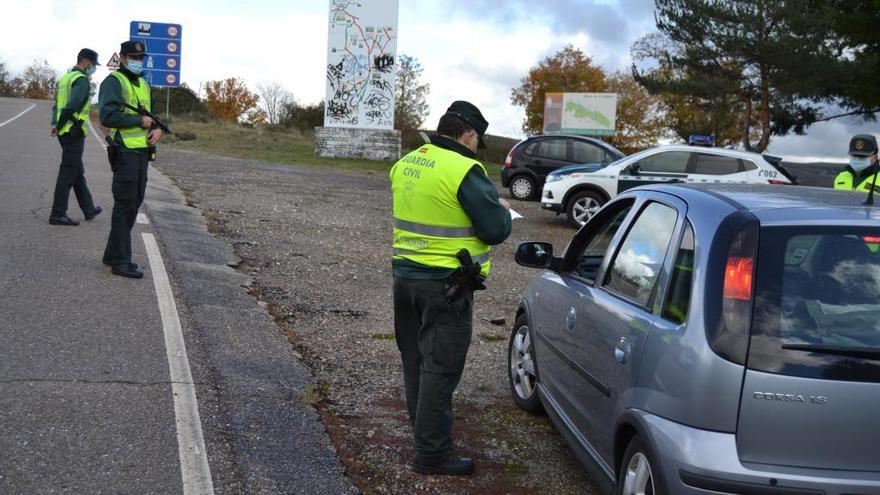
x=622 y=350
x=570 y=319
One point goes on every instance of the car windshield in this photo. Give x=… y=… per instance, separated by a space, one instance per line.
x=817 y=306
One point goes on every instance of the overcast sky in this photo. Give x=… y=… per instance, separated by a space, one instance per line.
x=471 y=49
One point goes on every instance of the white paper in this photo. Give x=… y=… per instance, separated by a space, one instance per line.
x=514 y=215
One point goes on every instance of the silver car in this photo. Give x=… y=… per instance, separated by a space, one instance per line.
x=711 y=339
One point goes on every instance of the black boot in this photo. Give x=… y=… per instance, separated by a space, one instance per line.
x=454 y=466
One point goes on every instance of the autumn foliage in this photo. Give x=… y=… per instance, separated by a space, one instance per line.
x=639 y=121
x=230 y=99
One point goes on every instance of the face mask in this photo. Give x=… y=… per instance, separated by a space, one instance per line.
x=135 y=66
x=859 y=163
x=90 y=70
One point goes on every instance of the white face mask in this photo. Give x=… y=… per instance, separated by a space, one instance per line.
x=859 y=163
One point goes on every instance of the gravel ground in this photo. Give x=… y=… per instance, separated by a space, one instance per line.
x=317 y=243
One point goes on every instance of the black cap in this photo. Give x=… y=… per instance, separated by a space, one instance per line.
x=132 y=48
x=863 y=145
x=472 y=116
x=88 y=54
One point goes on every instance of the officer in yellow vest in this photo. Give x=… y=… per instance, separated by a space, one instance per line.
x=443 y=201
x=860 y=174
x=133 y=134
x=70 y=117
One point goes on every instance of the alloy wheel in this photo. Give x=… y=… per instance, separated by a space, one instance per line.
x=584 y=209
x=638 y=480
x=522 y=366
x=521 y=188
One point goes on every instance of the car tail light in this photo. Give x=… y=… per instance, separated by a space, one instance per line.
x=508 y=162
x=729 y=337
x=779 y=182
x=871 y=240
x=738 y=278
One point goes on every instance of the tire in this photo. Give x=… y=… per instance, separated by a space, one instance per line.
x=522 y=371
x=522 y=187
x=582 y=206
x=639 y=474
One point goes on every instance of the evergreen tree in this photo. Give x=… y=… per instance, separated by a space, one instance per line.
x=770 y=58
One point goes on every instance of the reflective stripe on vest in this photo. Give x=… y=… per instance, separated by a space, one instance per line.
x=844 y=181
x=62 y=98
x=430 y=225
x=133 y=137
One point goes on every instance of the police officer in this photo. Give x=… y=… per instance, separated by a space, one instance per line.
x=859 y=175
x=443 y=201
x=70 y=124
x=134 y=134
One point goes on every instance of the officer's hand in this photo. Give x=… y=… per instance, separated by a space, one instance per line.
x=155 y=136
x=53 y=132
x=146 y=122
x=504 y=203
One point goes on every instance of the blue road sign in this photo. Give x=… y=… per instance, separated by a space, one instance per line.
x=163 y=47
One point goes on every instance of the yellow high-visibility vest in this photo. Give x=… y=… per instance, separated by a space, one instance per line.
x=136 y=96
x=62 y=98
x=430 y=225
x=844 y=181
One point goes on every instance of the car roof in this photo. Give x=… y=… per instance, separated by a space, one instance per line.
x=746 y=155
x=595 y=141
x=782 y=203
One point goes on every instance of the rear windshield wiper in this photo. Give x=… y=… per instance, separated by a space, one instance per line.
x=838 y=350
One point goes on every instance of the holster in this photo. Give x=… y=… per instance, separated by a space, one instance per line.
x=112 y=152
x=463 y=279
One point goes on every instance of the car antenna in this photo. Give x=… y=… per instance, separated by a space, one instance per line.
x=870 y=200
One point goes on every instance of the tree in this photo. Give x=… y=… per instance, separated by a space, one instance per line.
x=229 y=99
x=569 y=70
x=771 y=56
x=854 y=32
x=184 y=101
x=273 y=97
x=640 y=123
x=713 y=114
x=304 y=118
x=411 y=105
x=5 y=81
x=38 y=81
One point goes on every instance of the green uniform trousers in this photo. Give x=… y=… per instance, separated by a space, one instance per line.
x=129 y=187
x=433 y=336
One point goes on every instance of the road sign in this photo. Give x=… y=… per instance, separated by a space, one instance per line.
x=114 y=62
x=163 y=46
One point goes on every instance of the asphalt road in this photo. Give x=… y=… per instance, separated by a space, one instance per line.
x=86 y=403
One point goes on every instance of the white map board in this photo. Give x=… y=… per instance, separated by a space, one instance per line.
x=361 y=64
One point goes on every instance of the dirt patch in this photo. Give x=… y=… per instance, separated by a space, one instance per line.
x=317 y=244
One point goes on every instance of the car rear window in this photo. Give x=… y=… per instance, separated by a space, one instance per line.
x=553 y=148
x=666 y=162
x=817 y=303
x=582 y=152
x=706 y=164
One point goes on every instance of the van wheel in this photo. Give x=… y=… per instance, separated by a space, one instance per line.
x=582 y=206
x=522 y=187
x=638 y=471
x=521 y=367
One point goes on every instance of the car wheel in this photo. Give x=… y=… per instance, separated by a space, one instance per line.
x=521 y=368
x=638 y=471
x=582 y=206
x=522 y=187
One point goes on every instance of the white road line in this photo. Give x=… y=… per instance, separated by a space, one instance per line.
x=141 y=218
x=28 y=109
x=194 y=468
x=95 y=133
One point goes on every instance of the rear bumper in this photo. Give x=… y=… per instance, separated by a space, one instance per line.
x=699 y=462
x=506 y=174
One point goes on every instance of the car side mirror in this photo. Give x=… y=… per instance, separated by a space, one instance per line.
x=634 y=169
x=535 y=254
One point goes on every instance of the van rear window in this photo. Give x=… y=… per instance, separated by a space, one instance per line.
x=817 y=303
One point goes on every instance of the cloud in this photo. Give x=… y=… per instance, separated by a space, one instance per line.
x=825 y=141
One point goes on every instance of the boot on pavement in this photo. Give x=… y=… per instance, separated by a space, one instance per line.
x=453 y=466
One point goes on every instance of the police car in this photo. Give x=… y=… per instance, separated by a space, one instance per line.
x=580 y=190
